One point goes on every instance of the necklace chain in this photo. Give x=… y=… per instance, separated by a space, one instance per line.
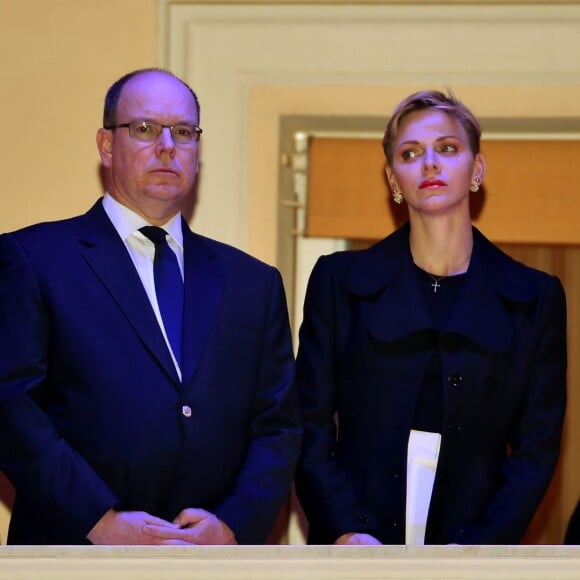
x=436 y=279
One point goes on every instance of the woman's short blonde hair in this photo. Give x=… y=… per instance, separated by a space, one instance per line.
x=436 y=100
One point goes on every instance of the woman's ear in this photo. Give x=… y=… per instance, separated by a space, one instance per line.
x=479 y=167
x=392 y=179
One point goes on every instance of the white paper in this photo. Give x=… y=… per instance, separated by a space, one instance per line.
x=422 y=456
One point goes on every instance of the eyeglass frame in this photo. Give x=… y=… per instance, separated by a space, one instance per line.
x=196 y=129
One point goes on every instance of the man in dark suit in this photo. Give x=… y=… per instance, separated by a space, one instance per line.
x=112 y=430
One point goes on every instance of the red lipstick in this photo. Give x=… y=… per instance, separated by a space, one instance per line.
x=428 y=183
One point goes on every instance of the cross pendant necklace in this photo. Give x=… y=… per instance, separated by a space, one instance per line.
x=436 y=284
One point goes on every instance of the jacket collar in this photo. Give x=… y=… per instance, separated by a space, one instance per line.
x=387 y=273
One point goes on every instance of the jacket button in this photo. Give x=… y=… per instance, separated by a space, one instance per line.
x=186 y=411
x=363 y=518
x=455 y=380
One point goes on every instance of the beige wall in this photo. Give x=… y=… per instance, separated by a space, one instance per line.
x=58 y=57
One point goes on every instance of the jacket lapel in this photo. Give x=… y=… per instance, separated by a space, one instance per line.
x=479 y=314
x=106 y=254
x=204 y=284
x=494 y=282
x=386 y=272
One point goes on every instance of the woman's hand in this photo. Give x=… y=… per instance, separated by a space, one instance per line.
x=357 y=539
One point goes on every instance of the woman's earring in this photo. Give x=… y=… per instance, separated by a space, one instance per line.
x=475 y=183
x=397 y=196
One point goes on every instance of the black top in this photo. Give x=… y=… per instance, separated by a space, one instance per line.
x=441 y=295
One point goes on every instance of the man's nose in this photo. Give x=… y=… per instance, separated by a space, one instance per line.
x=165 y=141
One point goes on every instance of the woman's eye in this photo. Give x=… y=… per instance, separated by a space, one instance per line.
x=448 y=148
x=409 y=154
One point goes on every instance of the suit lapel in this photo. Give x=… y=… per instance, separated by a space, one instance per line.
x=203 y=290
x=106 y=254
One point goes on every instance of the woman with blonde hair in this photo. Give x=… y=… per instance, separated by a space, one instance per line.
x=431 y=366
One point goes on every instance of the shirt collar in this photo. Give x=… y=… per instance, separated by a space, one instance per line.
x=127 y=222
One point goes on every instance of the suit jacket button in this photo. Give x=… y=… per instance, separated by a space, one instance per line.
x=186 y=411
x=455 y=380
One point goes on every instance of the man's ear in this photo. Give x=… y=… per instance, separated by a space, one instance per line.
x=105 y=146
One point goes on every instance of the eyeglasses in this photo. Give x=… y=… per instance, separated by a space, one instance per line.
x=149 y=131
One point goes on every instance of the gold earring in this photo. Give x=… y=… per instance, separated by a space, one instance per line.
x=397 y=196
x=475 y=183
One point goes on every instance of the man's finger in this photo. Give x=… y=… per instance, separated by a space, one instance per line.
x=190 y=516
x=163 y=531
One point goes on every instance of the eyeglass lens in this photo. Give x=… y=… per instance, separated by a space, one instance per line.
x=150 y=131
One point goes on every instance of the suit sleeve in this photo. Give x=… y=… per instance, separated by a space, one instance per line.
x=326 y=493
x=274 y=433
x=535 y=437
x=36 y=459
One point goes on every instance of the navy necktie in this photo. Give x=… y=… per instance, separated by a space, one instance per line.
x=168 y=287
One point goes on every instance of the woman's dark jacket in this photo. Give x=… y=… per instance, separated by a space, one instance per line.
x=365 y=342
